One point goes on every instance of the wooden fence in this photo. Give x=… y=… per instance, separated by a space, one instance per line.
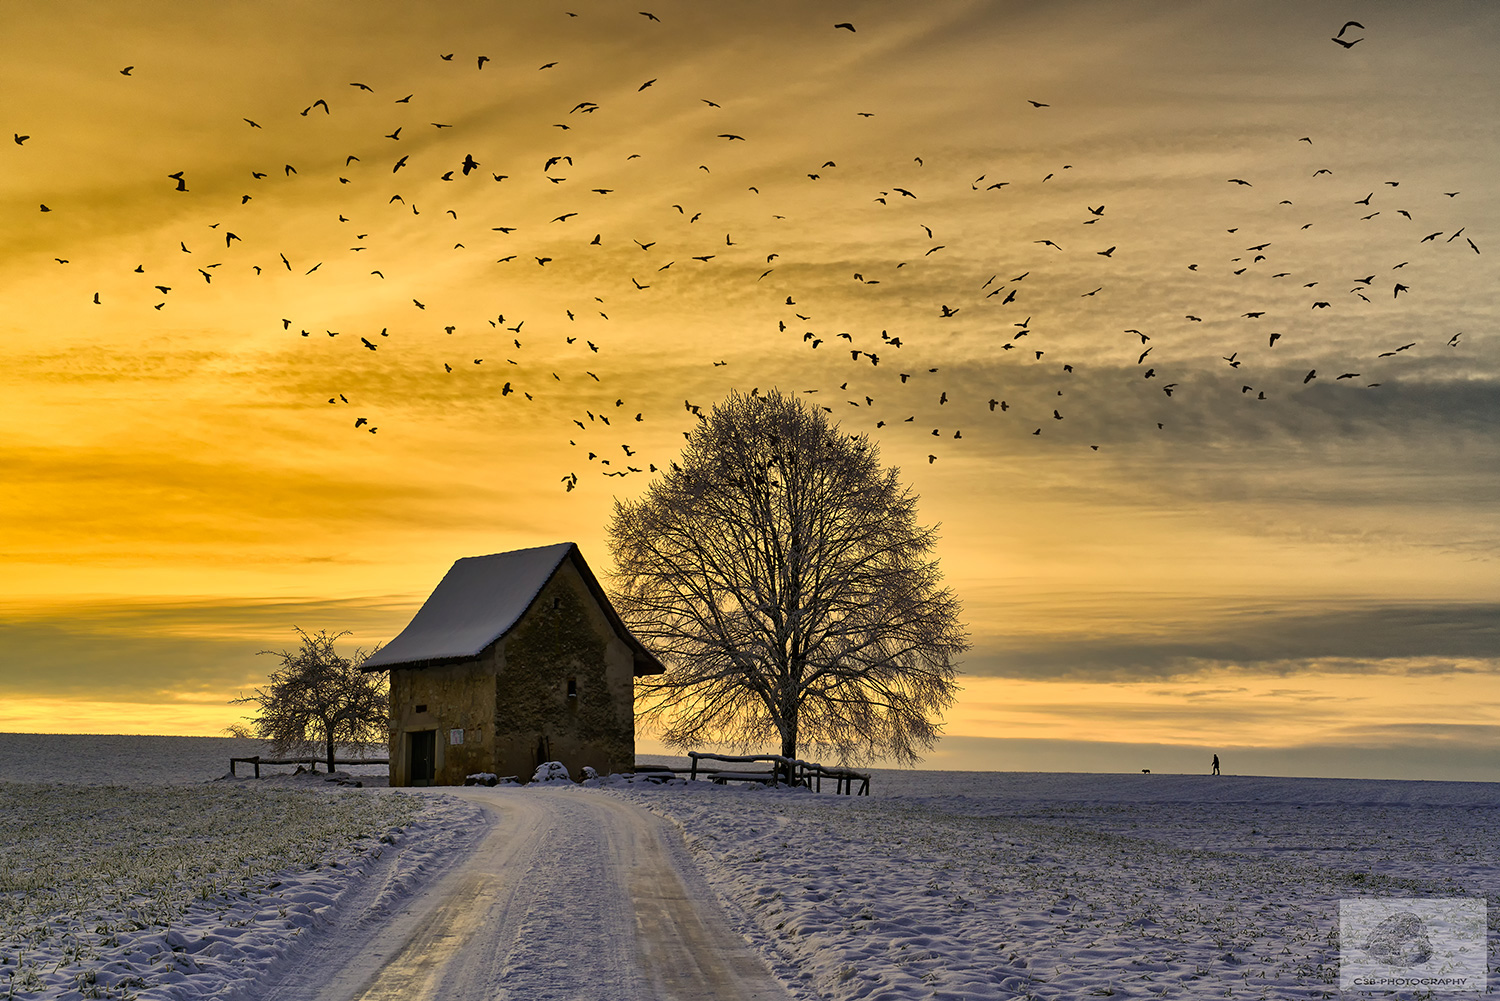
x=784 y=770
x=257 y=761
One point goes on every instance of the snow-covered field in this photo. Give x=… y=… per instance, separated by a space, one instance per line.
x=985 y=885
x=126 y=873
x=122 y=859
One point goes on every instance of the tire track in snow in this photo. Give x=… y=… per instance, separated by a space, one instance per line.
x=568 y=895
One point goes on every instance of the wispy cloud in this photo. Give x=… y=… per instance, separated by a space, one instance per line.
x=168 y=650
x=1373 y=637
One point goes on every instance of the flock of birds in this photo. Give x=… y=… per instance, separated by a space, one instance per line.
x=888 y=386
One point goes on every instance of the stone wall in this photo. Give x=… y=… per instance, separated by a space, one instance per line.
x=457 y=697
x=564 y=640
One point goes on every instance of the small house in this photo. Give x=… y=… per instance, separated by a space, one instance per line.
x=515 y=659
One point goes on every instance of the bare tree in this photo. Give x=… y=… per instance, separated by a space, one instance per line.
x=318 y=697
x=781 y=576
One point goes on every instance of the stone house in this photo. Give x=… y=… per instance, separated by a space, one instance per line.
x=515 y=659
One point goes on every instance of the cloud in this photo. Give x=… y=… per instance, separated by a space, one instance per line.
x=135 y=651
x=1374 y=637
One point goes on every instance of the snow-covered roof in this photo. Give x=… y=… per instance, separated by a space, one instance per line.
x=481 y=598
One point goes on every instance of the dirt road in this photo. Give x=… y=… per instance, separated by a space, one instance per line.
x=568 y=895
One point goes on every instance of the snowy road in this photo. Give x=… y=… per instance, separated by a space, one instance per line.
x=567 y=895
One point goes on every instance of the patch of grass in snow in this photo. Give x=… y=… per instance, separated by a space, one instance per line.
x=84 y=867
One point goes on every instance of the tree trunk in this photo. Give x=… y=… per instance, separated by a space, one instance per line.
x=789 y=746
x=330 y=751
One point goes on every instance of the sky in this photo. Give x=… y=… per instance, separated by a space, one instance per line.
x=1198 y=368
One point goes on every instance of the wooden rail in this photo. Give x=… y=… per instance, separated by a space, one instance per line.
x=257 y=761
x=789 y=770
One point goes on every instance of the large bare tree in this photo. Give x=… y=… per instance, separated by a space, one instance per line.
x=318 y=697
x=781 y=576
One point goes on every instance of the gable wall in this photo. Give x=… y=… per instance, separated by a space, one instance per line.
x=564 y=635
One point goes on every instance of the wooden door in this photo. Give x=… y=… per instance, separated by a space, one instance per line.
x=423 y=757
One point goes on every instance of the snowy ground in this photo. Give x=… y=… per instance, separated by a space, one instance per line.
x=91 y=759
x=126 y=872
x=973 y=885
x=128 y=859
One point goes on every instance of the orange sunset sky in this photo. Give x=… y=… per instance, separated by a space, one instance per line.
x=300 y=310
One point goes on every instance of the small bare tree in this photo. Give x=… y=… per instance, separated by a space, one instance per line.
x=318 y=697
x=781 y=577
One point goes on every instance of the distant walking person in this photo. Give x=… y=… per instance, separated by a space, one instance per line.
x=1216 y=764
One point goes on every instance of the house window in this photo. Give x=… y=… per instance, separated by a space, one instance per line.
x=573 y=688
x=421 y=708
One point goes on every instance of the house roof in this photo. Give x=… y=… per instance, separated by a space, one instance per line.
x=481 y=598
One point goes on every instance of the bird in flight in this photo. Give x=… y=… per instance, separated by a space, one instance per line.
x=1349 y=45
x=1037 y=104
x=844 y=24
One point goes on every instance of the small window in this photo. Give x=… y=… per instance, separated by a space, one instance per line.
x=572 y=688
x=421 y=708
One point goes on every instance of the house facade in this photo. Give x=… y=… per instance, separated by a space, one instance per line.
x=515 y=659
